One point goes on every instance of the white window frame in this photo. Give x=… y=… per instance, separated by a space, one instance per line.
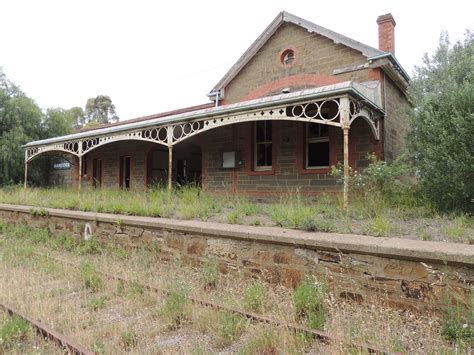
x=315 y=140
x=255 y=145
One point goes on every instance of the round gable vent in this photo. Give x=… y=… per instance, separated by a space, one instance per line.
x=287 y=57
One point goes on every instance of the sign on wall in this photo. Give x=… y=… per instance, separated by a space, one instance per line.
x=62 y=165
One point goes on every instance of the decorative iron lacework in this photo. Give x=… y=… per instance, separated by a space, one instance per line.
x=326 y=112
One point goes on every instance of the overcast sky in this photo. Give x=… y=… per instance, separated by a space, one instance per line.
x=154 y=56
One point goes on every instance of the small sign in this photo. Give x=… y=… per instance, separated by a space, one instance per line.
x=228 y=160
x=62 y=165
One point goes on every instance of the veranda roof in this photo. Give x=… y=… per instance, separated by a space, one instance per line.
x=368 y=92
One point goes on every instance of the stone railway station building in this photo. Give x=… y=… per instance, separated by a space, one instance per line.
x=301 y=99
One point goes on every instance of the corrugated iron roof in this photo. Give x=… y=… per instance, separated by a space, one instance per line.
x=365 y=92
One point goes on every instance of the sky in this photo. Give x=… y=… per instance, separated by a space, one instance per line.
x=155 y=56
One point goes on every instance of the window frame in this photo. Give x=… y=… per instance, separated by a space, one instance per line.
x=264 y=143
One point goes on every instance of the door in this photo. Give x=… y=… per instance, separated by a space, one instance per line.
x=97 y=172
x=125 y=172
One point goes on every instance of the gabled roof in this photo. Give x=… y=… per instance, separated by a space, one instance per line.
x=283 y=17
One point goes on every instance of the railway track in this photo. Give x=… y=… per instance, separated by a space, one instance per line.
x=316 y=334
x=43 y=330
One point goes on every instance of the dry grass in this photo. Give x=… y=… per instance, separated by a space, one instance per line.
x=124 y=317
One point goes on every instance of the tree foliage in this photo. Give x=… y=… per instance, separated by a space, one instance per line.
x=22 y=121
x=442 y=133
x=101 y=110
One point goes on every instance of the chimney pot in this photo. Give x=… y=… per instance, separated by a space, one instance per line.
x=386 y=33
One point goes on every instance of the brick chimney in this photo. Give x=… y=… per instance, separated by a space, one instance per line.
x=386 y=33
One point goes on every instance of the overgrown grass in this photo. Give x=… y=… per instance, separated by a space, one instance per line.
x=97 y=303
x=13 y=330
x=225 y=327
x=90 y=277
x=129 y=339
x=177 y=307
x=308 y=300
x=210 y=273
x=254 y=297
x=378 y=213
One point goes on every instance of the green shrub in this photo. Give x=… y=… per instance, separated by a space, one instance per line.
x=441 y=136
x=135 y=290
x=308 y=301
x=291 y=212
x=318 y=225
x=456 y=327
x=39 y=212
x=233 y=217
x=129 y=339
x=210 y=273
x=176 y=308
x=90 y=277
x=264 y=341
x=248 y=208
x=96 y=304
x=63 y=242
x=380 y=226
x=254 y=297
x=228 y=328
x=13 y=330
x=91 y=246
x=98 y=347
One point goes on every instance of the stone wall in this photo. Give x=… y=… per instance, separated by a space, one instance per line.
x=407 y=273
x=315 y=56
x=396 y=123
x=288 y=174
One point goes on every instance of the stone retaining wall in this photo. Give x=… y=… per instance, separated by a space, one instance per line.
x=407 y=273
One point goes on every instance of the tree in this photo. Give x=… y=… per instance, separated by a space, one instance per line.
x=57 y=122
x=20 y=122
x=77 y=115
x=442 y=124
x=100 y=110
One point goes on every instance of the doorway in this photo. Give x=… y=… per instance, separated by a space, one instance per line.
x=125 y=172
x=97 y=172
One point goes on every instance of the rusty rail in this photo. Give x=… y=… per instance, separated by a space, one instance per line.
x=316 y=334
x=47 y=332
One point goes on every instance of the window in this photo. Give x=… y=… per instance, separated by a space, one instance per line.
x=288 y=57
x=263 y=145
x=317 y=146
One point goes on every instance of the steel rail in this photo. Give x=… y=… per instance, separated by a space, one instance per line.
x=47 y=332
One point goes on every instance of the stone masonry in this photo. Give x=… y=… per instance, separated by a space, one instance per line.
x=406 y=273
